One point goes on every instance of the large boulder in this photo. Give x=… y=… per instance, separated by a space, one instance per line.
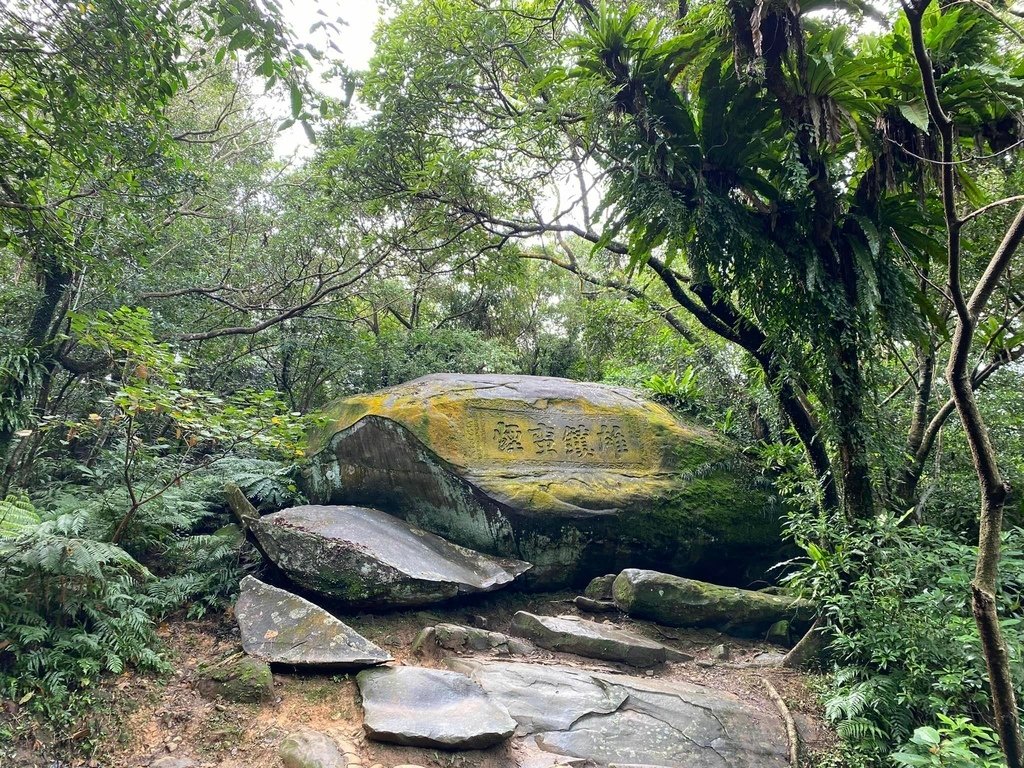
x=576 y=478
x=283 y=628
x=366 y=558
x=421 y=707
x=678 y=602
x=630 y=721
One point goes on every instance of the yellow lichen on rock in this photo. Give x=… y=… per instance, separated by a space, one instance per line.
x=535 y=443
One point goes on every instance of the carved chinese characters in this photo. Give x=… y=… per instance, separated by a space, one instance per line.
x=556 y=437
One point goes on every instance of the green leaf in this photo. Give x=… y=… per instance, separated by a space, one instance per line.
x=242 y=39
x=296 y=99
x=916 y=114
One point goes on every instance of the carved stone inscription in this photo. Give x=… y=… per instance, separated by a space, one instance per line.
x=519 y=436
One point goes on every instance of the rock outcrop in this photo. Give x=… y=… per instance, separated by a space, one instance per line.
x=622 y=720
x=678 y=602
x=421 y=707
x=571 y=634
x=576 y=478
x=365 y=558
x=283 y=628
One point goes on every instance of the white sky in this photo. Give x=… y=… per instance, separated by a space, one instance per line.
x=355 y=40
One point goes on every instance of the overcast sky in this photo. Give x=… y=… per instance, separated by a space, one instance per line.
x=354 y=39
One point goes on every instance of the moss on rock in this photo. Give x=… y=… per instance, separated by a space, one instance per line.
x=576 y=478
x=679 y=602
x=237 y=678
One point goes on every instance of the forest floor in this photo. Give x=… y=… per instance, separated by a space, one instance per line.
x=153 y=717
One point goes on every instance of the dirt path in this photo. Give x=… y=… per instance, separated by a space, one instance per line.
x=154 y=718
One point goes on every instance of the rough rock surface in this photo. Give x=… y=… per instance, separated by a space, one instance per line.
x=365 y=558
x=310 y=749
x=456 y=637
x=571 y=634
x=600 y=587
x=422 y=707
x=621 y=720
x=594 y=606
x=576 y=478
x=236 y=678
x=283 y=628
x=678 y=602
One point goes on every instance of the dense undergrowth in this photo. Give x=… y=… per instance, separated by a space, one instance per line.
x=75 y=608
x=906 y=678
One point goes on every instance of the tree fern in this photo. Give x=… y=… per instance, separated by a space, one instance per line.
x=17 y=516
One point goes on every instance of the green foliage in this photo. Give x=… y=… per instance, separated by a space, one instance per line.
x=903 y=637
x=957 y=743
x=17 y=515
x=72 y=608
x=680 y=390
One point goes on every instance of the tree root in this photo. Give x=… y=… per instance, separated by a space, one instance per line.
x=791 y=731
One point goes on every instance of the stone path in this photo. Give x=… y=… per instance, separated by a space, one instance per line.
x=624 y=720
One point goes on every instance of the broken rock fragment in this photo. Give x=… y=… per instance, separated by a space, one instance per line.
x=283 y=628
x=365 y=558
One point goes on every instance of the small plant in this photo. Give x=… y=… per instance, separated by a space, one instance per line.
x=679 y=390
x=957 y=743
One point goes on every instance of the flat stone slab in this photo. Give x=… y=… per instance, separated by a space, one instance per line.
x=624 y=720
x=283 y=628
x=422 y=707
x=366 y=558
x=571 y=634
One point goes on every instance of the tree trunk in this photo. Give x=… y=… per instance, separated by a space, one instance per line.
x=993 y=489
x=15 y=389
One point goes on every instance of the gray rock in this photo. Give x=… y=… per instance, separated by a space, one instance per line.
x=459 y=638
x=678 y=602
x=174 y=762
x=283 y=628
x=768 y=659
x=310 y=749
x=571 y=476
x=600 y=587
x=570 y=634
x=543 y=697
x=594 y=606
x=421 y=707
x=720 y=652
x=622 y=720
x=366 y=558
x=236 y=678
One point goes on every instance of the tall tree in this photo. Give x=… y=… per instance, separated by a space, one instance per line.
x=89 y=167
x=771 y=170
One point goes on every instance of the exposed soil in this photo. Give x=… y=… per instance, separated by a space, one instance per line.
x=151 y=718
